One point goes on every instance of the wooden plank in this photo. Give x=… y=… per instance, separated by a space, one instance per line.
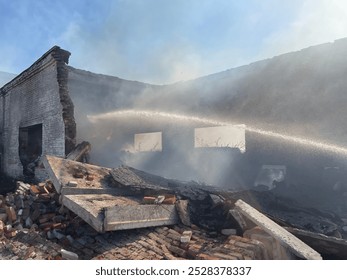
x=288 y=240
x=80 y=151
x=139 y=216
x=327 y=245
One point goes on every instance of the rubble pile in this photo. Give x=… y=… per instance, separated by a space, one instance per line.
x=179 y=242
x=31 y=217
x=34 y=225
x=126 y=213
x=35 y=208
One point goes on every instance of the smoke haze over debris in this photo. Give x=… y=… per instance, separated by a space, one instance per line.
x=164 y=42
x=295 y=101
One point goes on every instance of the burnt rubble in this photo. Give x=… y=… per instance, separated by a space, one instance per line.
x=34 y=225
x=54 y=219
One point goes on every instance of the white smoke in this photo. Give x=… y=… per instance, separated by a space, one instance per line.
x=316 y=22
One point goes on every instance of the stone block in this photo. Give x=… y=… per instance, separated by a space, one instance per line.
x=68 y=255
x=288 y=240
x=186 y=236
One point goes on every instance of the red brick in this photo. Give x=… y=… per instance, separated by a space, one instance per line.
x=90 y=178
x=35 y=190
x=178 y=251
x=149 y=199
x=169 y=199
x=11 y=214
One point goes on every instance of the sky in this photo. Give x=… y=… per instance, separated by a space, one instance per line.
x=164 y=41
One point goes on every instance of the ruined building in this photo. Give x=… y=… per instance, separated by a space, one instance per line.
x=51 y=106
x=239 y=130
x=37 y=114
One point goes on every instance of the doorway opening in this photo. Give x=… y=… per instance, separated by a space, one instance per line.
x=30 y=147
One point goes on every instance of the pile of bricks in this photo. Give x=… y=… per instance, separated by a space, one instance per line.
x=35 y=208
x=33 y=225
x=177 y=242
x=29 y=245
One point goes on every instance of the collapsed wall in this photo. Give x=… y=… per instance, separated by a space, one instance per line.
x=36 y=115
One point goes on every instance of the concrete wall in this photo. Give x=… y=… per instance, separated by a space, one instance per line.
x=36 y=96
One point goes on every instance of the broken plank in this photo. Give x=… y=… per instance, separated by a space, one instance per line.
x=80 y=151
x=327 y=245
x=288 y=240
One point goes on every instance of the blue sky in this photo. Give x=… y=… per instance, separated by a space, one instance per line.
x=164 y=41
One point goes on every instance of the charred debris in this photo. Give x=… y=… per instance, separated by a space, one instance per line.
x=85 y=211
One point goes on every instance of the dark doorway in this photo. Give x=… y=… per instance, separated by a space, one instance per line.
x=30 y=147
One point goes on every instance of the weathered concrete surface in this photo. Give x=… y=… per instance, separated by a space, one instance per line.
x=62 y=171
x=288 y=240
x=106 y=212
x=139 y=216
x=85 y=208
x=99 y=201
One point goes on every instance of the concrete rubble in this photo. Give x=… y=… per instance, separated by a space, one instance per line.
x=90 y=212
x=57 y=233
x=278 y=233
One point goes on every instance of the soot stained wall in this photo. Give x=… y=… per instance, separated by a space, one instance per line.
x=38 y=95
